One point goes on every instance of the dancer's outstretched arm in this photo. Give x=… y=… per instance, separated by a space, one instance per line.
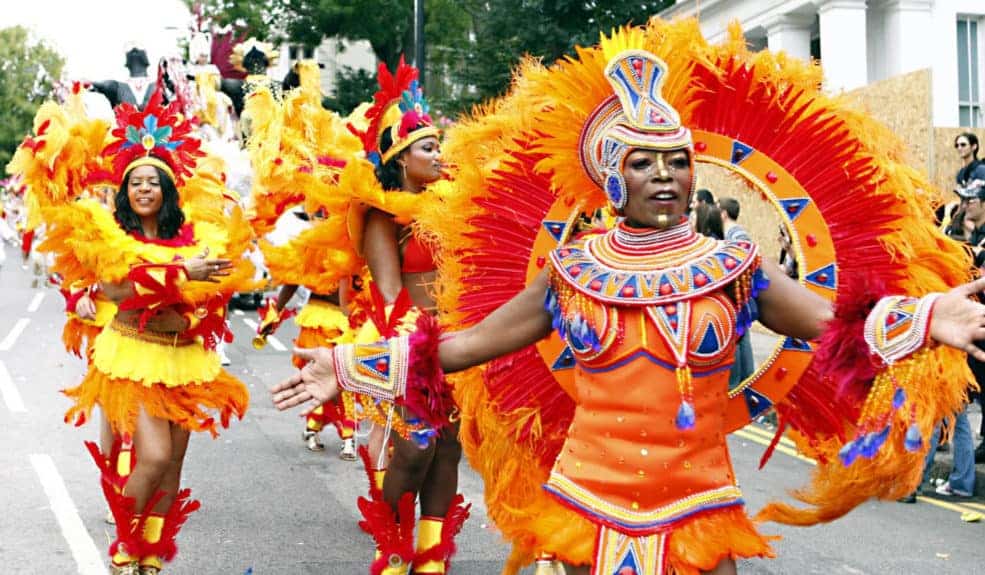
x=791 y=309
x=514 y=325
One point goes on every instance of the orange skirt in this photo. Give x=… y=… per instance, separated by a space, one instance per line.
x=180 y=383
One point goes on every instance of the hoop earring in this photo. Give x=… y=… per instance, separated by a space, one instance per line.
x=403 y=170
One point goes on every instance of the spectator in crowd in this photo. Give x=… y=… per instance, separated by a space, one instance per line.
x=787 y=260
x=729 y=209
x=707 y=221
x=744 y=366
x=972 y=169
x=701 y=196
x=961 y=480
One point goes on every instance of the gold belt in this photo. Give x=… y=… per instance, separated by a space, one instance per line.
x=170 y=338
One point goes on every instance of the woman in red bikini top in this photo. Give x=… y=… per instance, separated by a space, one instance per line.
x=410 y=159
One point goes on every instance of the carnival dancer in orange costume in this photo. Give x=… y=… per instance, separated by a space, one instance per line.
x=154 y=372
x=625 y=424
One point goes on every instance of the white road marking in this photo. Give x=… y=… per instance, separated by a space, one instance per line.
x=87 y=557
x=11 y=396
x=238 y=311
x=36 y=302
x=273 y=341
x=9 y=341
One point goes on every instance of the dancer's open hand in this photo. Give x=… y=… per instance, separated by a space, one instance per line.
x=200 y=268
x=315 y=382
x=959 y=321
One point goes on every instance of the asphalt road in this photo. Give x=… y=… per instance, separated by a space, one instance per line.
x=272 y=506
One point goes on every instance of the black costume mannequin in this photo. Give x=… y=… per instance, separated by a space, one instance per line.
x=137 y=86
x=255 y=62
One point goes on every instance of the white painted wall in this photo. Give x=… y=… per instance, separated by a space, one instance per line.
x=332 y=54
x=894 y=37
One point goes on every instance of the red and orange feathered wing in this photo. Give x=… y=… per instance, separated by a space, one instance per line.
x=861 y=224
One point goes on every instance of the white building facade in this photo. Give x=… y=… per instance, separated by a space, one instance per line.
x=333 y=54
x=863 y=41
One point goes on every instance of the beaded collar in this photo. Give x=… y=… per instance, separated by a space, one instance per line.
x=629 y=266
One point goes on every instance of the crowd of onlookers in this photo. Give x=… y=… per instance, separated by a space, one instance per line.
x=962 y=220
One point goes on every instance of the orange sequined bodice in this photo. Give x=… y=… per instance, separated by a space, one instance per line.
x=651 y=328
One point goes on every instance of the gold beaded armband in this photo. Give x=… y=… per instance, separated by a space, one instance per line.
x=899 y=326
x=378 y=369
x=897 y=331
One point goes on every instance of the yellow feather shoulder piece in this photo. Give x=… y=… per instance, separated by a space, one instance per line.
x=61 y=159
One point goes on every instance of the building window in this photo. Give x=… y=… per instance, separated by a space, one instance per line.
x=297 y=52
x=969 y=73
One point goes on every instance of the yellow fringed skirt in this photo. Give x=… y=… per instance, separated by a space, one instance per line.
x=321 y=324
x=166 y=377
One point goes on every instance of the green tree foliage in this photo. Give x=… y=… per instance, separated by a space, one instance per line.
x=352 y=87
x=472 y=45
x=505 y=30
x=27 y=73
x=260 y=19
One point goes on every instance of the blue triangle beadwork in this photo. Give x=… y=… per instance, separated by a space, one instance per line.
x=792 y=207
x=555 y=228
x=756 y=402
x=564 y=361
x=740 y=151
x=825 y=277
x=794 y=344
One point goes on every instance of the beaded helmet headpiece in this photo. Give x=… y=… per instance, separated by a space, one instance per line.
x=157 y=136
x=635 y=116
x=399 y=108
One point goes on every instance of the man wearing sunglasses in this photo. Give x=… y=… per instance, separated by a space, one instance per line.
x=972 y=169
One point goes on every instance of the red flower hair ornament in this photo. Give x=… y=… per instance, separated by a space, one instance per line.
x=158 y=136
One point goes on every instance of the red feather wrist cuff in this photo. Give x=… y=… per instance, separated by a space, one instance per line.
x=404 y=370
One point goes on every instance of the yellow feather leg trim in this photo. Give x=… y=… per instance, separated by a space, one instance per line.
x=150 y=363
x=311 y=337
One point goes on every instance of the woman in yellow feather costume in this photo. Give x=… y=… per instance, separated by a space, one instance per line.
x=153 y=369
x=367 y=199
x=289 y=172
x=603 y=446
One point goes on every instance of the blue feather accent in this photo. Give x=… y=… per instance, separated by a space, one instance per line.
x=913 y=441
x=899 y=398
x=872 y=442
x=848 y=453
x=685 y=416
x=760 y=281
x=422 y=437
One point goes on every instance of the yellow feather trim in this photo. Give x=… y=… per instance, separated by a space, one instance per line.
x=91 y=247
x=189 y=406
x=149 y=363
x=322 y=315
